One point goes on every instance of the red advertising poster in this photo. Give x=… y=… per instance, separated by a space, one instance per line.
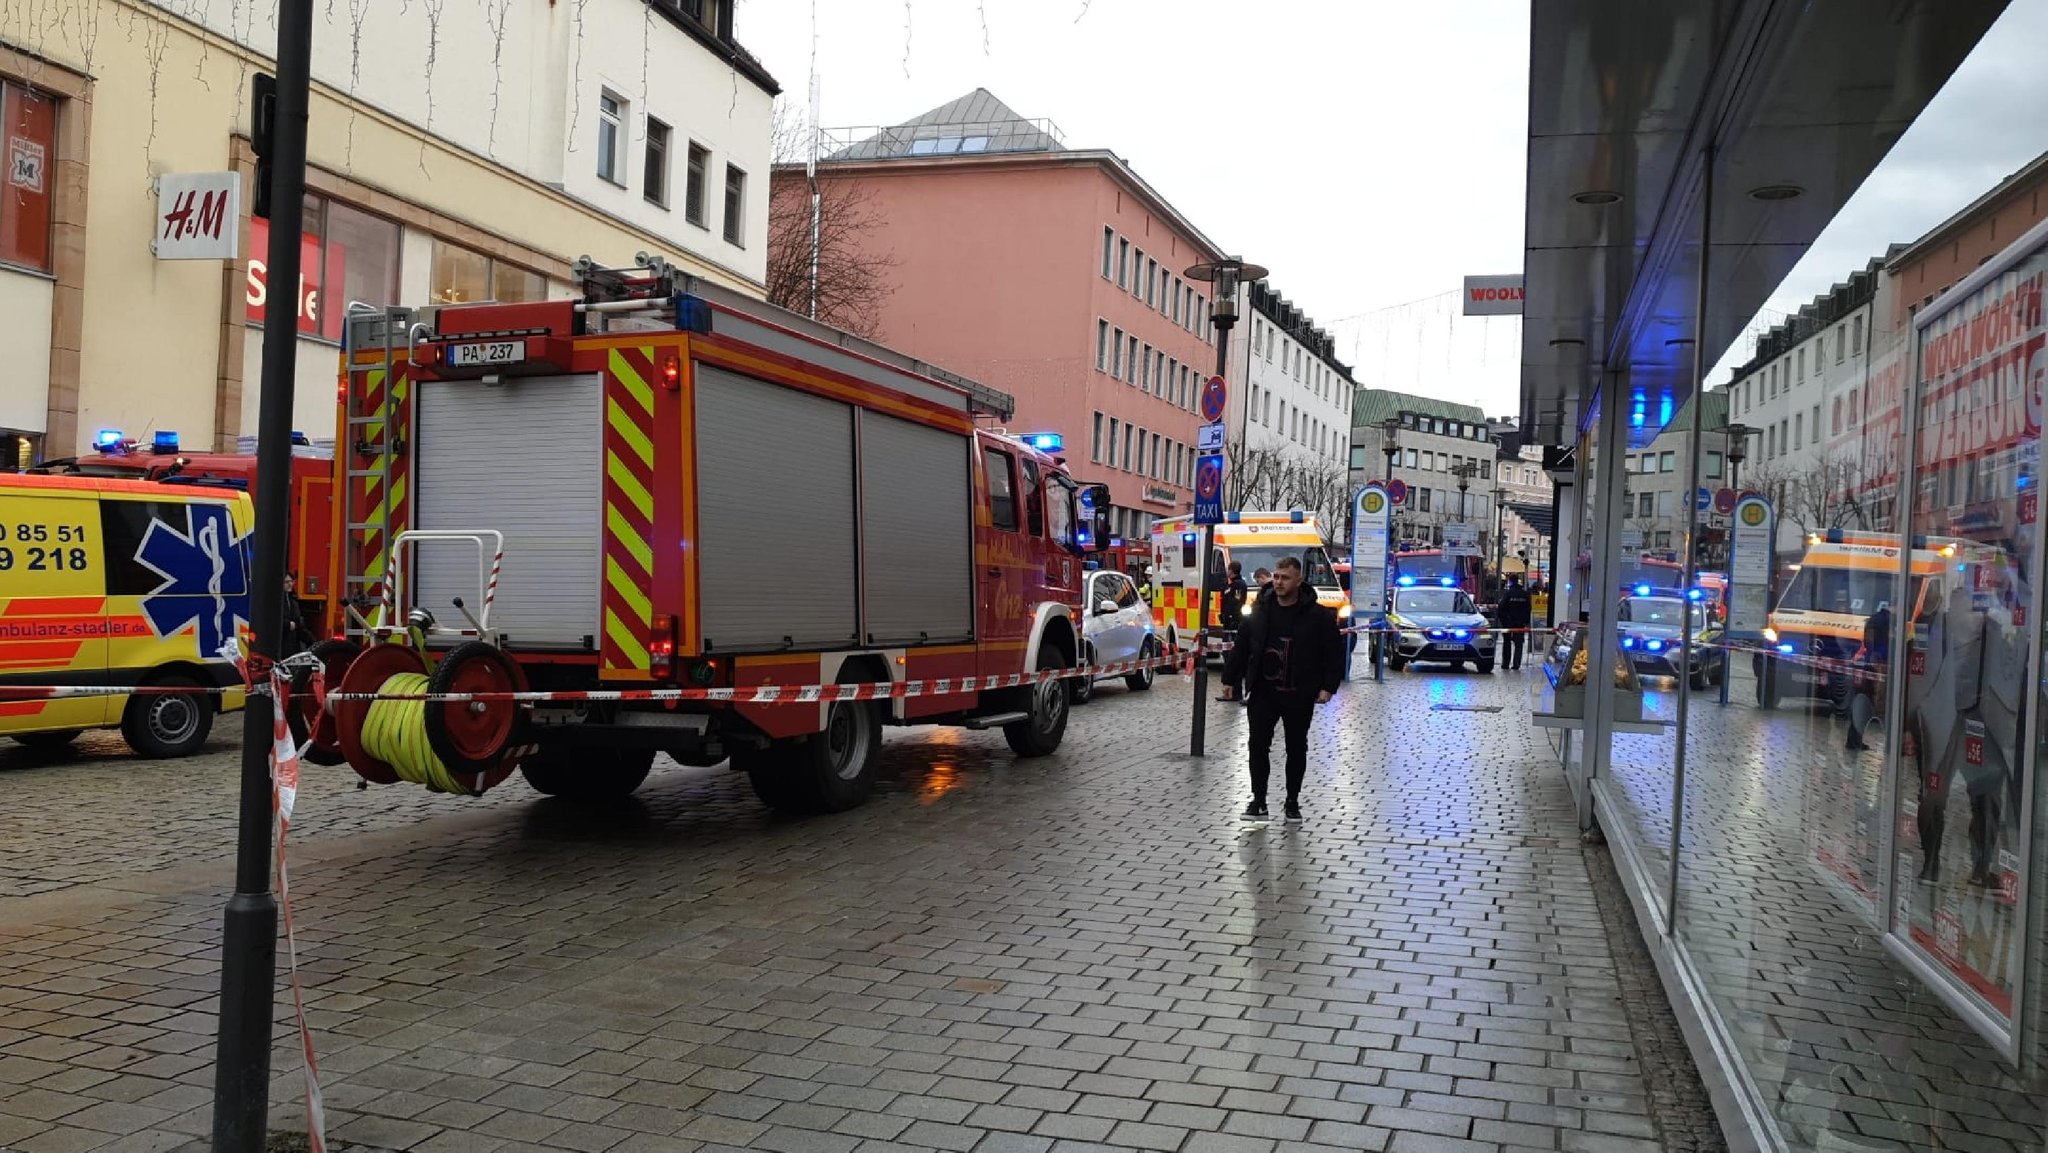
x=1977 y=390
x=315 y=317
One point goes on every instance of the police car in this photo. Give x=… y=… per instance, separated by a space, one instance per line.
x=1437 y=623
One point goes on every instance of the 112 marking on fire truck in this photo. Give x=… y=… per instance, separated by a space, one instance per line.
x=115 y=582
x=667 y=483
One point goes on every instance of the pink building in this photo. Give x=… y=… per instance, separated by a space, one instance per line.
x=1050 y=273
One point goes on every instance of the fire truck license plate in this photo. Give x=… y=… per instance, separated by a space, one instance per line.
x=486 y=354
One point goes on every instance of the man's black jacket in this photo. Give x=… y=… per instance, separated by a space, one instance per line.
x=1315 y=660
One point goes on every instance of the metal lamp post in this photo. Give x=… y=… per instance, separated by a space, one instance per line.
x=1390 y=444
x=1223 y=276
x=1464 y=472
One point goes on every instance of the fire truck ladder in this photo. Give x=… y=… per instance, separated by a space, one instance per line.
x=368 y=503
x=653 y=280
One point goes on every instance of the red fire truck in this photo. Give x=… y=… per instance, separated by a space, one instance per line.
x=666 y=484
x=310 y=554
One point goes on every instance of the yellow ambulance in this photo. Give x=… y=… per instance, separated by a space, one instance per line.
x=121 y=582
x=1254 y=540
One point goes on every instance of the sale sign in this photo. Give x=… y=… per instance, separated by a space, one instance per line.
x=316 y=318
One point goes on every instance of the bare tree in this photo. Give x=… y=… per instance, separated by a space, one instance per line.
x=1823 y=495
x=827 y=265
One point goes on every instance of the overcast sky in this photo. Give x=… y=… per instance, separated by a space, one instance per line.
x=1371 y=154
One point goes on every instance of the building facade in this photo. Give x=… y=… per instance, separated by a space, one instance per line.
x=1524 y=508
x=1434 y=444
x=1289 y=416
x=471 y=156
x=1802 y=394
x=1050 y=273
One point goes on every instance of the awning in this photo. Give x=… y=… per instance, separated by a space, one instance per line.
x=1801 y=100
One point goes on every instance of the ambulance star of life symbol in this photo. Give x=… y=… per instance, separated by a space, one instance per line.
x=204 y=587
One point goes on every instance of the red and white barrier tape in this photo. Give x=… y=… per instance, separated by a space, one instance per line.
x=758 y=694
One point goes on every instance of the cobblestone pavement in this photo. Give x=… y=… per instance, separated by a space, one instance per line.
x=1086 y=951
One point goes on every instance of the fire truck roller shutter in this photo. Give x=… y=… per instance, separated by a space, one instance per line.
x=547 y=499
x=917 y=532
x=775 y=516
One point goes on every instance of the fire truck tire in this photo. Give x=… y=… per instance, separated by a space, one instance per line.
x=772 y=772
x=470 y=737
x=587 y=775
x=168 y=724
x=1039 y=734
x=1142 y=679
x=306 y=716
x=827 y=772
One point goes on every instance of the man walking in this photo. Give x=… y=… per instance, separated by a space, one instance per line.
x=1288 y=659
x=1514 y=618
x=1231 y=611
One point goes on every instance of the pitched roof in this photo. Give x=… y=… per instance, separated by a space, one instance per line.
x=974 y=123
x=1373 y=405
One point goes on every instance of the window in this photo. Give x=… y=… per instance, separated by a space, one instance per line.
x=1411 y=458
x=1145 y=370
x=1138 y=277
x=1713 y=466
x=1034 y=498
x=1799 y=430
x=654 y=180
x=1856 y=337
x=1841 y=342
x=1357 y=458
x=735 y=206
x=1131 y=359
x=1283 y=417
x=1429 y=461
x=1116 y=352
x=1108 y=252
x=1646 y=504
x=1002 y=488
x=1664 y=503
x=1802 y=366
x=611 y=116
x=348 y=254
x=1095 y=444
x=1156 y=451
x=1123 y=259
x=1667 y=461
x=693 y=184
x=1424 y=493
x=1152 y=282
x=1112 y=442
x=461 y=276
x=31 y=128
x=1125 y=462
x=1835 y=418
x=1174 y=296
x=1101 y=345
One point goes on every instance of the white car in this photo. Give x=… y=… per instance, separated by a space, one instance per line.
x=1118 y=628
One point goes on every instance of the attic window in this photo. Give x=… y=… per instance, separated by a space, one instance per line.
x=974 y=144
x=943 y=145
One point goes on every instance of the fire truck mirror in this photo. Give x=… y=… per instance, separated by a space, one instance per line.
x=1095 y=509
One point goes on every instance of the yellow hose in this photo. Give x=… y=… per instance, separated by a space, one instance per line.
x=395 y=732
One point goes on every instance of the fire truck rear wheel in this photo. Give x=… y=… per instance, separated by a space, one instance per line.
x=829 y=772
x=587 y=774
x=1038 y=735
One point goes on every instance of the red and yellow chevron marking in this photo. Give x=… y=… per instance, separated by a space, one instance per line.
x=383 y=511
x=628 y=513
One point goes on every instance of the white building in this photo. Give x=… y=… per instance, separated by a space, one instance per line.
x=1289 y=416
x=1800 y=394
x=455 y=152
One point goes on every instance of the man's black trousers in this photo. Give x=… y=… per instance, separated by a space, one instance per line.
x=1292 y=712
x=1514 y=639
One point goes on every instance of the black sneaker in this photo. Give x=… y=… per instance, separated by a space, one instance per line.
x=1293 y=813
x=1256 y=811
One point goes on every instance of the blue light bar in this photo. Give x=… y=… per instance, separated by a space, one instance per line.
x=164 y=442
x=1642 y=590
x=1461 y=634
x=1785 y=648
x=1628 y=642
x=107 y=438
x=1445 y=581
x=1694 y=594
x=1187 y=538
x=1046 y=441
x=1654 y=646
x=1405 y=582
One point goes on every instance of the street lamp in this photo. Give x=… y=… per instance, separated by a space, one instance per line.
x=1223 y=276
x=1464 y=472
x=1390 y=444
x=1737 y=449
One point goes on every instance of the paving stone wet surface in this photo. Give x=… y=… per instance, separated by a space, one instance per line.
x=1089 y=950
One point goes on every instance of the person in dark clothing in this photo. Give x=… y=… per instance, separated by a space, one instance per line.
x=1289 y=658
x=297 y=638
x=1264 y=579
x=1231 y=611
x=1875 y=660
x=1514 y=617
